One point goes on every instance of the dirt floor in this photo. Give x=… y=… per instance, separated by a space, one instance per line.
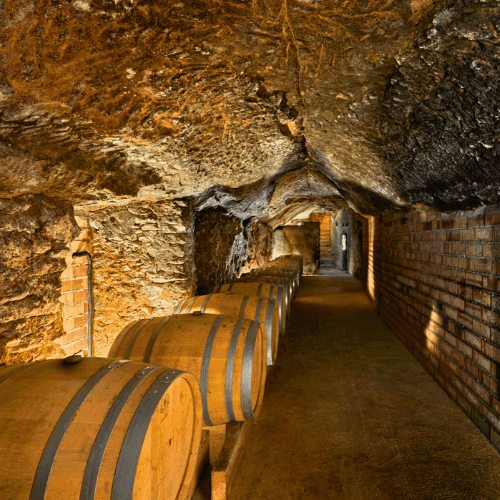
x=349 y=414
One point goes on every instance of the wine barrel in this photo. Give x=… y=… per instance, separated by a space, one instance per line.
x=97 y=429
x=275 y=280
x=276 y=271
x=296 y=260
x=294 y=266
x=265 y=289
x=227 y=355
x=238 y=305
x=283 y=267
x=286 y=267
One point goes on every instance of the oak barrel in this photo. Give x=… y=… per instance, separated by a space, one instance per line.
x=296 y=260
x=239 y=305
x=97 y=429
x=227 y=355
x=284 y=267
x=275 y=280
x=277 y=271
x=265 y=289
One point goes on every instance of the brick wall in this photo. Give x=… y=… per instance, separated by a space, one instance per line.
x=75 y=293
x=325 y=242
x=435 y=280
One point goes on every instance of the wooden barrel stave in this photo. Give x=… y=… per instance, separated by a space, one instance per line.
x=99 y=429
x=276 y=272
x=268 y=290
x=271 y=278
x=252 y=307
x=206 y=345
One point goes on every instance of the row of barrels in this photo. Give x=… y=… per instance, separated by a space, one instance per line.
x=129 y=426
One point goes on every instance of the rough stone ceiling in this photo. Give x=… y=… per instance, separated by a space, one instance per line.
x=391 y=102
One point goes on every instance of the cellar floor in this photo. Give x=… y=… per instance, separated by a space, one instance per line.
x=349 y=414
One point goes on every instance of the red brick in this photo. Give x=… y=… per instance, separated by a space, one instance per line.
x=491 y=250
x=481 y=329
x=473 y=279
x=74 y=297
x=484 y=298
x=74 y=272
x=474 y=249
x=492 y=219
x=450 y=390
x=472 y=399
x=75 y=335
x=491 y=417
x=491 y=317
x=484 y=266
x=472 y=368
x=73 y=285
x=465 y=406
x=490 y=283
x=466 y=378
x=467 y=235
x=481 y=361
x=78 y=346
x=484 y=234
x=77 y=261
x=472 y=339
x=475 y=221
x=458 y=358
x=72 y=323
x=72 y=310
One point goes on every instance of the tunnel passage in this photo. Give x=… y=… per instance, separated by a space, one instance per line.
x=179 y=142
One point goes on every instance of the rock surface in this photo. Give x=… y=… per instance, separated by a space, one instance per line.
x=249 y=111
x=393 y=102
x=35 y=232
x=143 y=263
x=299 y=240
x=219 y=248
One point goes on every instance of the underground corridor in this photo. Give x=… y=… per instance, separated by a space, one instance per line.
x=249 y=249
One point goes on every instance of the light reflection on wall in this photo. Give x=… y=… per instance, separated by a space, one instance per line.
x=432 y=340
x=371 y=250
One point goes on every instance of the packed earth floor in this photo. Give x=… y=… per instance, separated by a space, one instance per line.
x=349 y=414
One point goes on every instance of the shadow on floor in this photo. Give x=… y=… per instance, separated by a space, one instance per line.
x=349 y=414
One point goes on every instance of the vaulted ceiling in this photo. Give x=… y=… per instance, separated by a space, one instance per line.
x=261 y=106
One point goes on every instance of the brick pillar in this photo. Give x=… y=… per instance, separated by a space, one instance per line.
x=325 y=238
x=75 y=294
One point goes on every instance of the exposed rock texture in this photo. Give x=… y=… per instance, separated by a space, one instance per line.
x=442 y=109
x=345 y=222
x=219 y=248
x=298 y=240
x=392 y=102
x=143 y=263
x=260 y=242
x=35 y=232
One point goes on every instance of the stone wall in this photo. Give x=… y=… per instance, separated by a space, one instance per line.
x=346 y=222
x=299 y=240
x=435 y=279
x=143 y=262
x=35 y=232
x=260 y=244
x=220 y=248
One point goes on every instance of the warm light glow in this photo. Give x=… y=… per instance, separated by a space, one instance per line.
x=371 y=249
x=431 y=338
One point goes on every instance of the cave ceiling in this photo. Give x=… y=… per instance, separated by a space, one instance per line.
x=263 y=107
